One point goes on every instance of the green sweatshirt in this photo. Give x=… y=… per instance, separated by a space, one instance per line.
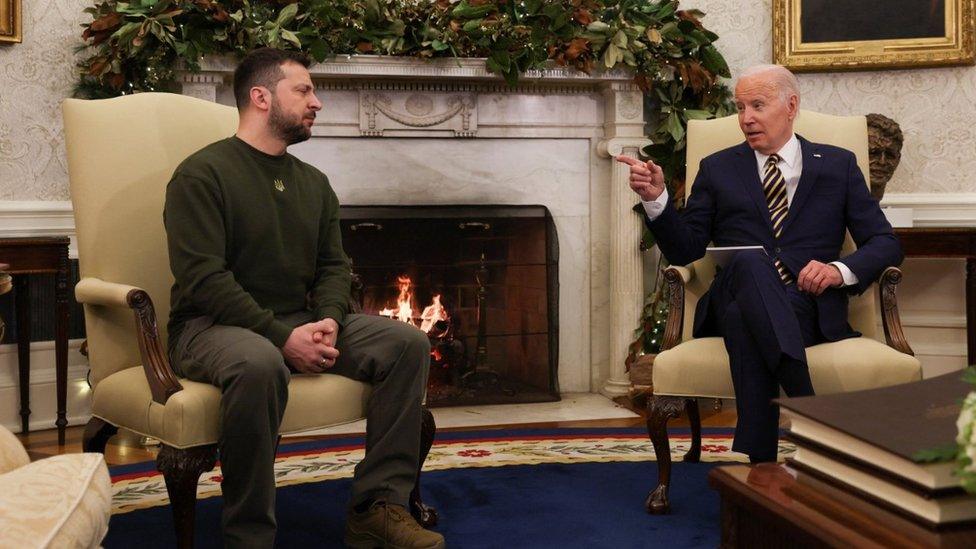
x=253 y=236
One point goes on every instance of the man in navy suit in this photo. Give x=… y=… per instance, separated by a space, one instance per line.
x=795 y=199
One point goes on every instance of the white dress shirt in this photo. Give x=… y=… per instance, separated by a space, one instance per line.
x=791 y=165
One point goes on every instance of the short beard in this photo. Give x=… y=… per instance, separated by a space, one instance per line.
x=284 y=129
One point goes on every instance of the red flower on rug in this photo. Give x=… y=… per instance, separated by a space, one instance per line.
x=217 y=478
x=714 y=448
x=474 y=453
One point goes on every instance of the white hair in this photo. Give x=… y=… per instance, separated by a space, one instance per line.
x=784 y=80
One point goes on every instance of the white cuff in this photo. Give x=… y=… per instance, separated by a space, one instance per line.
x=849 y=277
x=655 y=208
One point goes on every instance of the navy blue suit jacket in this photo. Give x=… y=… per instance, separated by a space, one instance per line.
x=727 y=207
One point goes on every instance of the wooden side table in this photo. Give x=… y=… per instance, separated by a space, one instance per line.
x=28 y=256
x=772 y=506
x=948 y=242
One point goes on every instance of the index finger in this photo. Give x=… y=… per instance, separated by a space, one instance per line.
x=628 y=160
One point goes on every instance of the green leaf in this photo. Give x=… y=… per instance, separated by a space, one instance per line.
x=511 y=77
x=969 y=375
x=464 y=11
x=670 y=30
x=628 y=57
x=947 y=452
x=695 y=114
x=291 y=37
x=673 y=126
x=439 y=46
x=553 y=10
x=667 y=10
x=286 y=14
x=493 y=66
x=620 y=39
x=611 y=55
x=713 y=61
x=125 y=30
x=598 y=26
x=473 y=25
x=318 y=49
x=502 y=59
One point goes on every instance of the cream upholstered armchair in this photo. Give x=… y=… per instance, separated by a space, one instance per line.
x=59 y=501
x=687 y=369
x=121 y=154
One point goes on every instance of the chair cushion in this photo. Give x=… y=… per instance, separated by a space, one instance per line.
x=60 y=501
x=700 y=367
x=191 y=417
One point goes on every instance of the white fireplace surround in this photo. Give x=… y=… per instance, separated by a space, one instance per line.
x=407 y=131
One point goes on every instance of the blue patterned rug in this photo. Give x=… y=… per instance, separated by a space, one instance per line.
x=495 y=488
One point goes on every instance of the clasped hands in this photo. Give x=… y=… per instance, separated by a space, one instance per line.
x=647 y=180
x=310 y=348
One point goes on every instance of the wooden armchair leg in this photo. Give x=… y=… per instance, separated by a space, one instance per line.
x=661 y=409
x=693 y=454
x=182 y=469
x=97 y=433
x=425 y=516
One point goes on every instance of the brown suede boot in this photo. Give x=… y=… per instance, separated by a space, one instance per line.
x=388 y=525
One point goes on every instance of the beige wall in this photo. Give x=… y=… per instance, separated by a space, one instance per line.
x=34 y=77
x=936 y=107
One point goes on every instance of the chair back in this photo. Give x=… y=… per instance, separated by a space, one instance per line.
x=121 y=154
x=709 y=136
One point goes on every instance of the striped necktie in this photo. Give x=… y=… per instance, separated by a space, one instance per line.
x=774 y=187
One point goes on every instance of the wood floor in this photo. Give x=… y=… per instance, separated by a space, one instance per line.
x=127 y=447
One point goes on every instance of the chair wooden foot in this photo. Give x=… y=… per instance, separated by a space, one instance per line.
x=426 y=516
x=182 y=469
x=693 y=455
x=97 y=433
x=661 y=409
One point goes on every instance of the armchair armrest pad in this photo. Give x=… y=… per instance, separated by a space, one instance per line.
x=94 y=291
x=12 y=453
x=686 y=273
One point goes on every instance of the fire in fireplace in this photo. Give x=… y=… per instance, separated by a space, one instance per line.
x=480 y=281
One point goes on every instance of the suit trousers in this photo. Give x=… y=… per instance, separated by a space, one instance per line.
x=766 y=325
x=253 y=377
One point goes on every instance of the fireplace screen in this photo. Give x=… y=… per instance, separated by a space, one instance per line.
x=480 y=281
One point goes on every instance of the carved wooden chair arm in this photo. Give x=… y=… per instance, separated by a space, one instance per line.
x=675 y=279
x=155 y=363
x=890 y=319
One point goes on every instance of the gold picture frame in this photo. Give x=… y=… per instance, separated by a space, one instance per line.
x=10 y=22
x=853 y=35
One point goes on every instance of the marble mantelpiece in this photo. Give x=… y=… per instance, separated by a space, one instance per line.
x=406 y=131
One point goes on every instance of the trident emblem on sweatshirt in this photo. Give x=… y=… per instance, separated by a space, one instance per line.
x=279 y=185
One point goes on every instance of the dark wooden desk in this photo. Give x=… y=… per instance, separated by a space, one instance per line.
x=28 y=256
x=949 y=242
x=766 y=506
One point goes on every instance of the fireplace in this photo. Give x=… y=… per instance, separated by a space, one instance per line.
x=481 y=281
x=550 y=140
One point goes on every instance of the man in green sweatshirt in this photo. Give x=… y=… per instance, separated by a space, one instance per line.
x=261 y=292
